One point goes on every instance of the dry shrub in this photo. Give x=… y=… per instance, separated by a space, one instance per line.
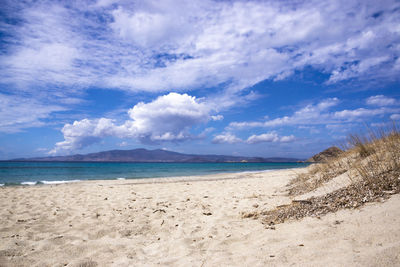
x=352 y=196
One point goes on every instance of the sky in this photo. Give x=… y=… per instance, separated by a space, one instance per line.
x=250 y=78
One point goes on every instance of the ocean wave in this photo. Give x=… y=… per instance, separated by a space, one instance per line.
x=121 y=178
x=47 y=182
x=28 y=183
x=60 y=182
x=1 y=184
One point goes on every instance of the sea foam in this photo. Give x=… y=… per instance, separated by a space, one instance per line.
x=28 y=183
x=60 y=182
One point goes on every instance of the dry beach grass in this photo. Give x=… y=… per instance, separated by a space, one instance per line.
x=371 y=165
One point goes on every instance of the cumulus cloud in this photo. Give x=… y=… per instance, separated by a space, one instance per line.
x=380 y=100
x=167 y=118
x=228 y=138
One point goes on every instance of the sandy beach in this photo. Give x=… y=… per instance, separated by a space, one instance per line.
x=187 y=221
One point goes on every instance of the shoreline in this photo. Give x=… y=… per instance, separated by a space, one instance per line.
x=178 y=178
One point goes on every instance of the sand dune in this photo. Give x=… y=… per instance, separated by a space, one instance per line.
x=193 y=221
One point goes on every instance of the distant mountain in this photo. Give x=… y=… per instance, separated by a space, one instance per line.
x=158 y=155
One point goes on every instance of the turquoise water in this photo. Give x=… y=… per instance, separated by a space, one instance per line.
x=15 y=173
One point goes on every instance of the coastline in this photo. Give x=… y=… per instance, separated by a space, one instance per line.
x=183 y=221
x=38 y=173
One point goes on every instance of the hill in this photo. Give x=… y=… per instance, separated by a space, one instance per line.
x=157 y=155
x=325 y=155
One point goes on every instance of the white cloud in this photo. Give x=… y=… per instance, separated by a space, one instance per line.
x=217 y=118
x=270 y=137
x=180 y=45
x=380 y=100
x=267 y=137
x=310 y=114
x=350 y=115
x=17 y=113
x=228 y=138
x=287 y=139
x=395 y=116
x=167 y=118
x=148 y=45
x=318 y=114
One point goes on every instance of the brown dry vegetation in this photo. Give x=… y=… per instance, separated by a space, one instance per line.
x=371 y=162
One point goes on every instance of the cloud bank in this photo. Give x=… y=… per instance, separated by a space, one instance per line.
x=167 y=118
x=148 y=46
x=52 y=49
x=321 y=114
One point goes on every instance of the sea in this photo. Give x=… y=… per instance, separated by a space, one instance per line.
x=34 y=173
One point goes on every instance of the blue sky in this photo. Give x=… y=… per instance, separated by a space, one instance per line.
x=256 y=78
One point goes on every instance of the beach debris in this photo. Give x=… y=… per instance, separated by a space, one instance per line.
x=159 y=210
x=301 y=201
x=256 y=205
x=250 y=215
x=301 y=245
x=207 y=213
x=350 y=197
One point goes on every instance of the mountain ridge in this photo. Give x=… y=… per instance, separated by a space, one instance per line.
x=156 y=155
